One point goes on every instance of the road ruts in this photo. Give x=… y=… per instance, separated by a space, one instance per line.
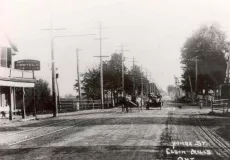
x=39 y=129
x=188 y=128
x=23 y=148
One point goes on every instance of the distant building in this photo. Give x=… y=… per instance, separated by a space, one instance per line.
x=10 y=79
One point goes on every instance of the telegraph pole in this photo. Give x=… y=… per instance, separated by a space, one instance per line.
x=54 y=94
x=78 y=74
x=133 y=61
x=101 y=66
x=196 y=70
x=142 y=92
x=196 y=74
x=122 y=69
x=146 y=81
x=122 y=72
x=147 y=90
x=133 y=78
x=150 y=84
x=101 y=80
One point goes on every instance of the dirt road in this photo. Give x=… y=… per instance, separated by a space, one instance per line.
x=170 y=133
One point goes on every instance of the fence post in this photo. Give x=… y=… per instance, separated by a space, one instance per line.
x=222 y=102
x=93 y=104
x=227 y=107
x=72 y=103
x=212 y=105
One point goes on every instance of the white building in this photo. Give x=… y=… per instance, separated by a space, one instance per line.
x=11 y=78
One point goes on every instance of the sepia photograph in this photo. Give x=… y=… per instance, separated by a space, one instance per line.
x=114 y=80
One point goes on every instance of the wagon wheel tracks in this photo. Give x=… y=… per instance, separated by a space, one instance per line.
x=105 y=133
x=214 y=139
x=55 y=131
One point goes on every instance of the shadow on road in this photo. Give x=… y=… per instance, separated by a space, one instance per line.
x=123 y=121
x=102 y=152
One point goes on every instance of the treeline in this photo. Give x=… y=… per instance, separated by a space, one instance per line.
x=209 y=47
x=112 y=80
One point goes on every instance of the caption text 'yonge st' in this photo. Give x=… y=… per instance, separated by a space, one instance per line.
x=192 y=151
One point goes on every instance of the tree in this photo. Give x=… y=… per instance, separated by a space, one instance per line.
x=208 y=44
x=112 y=73
x=91 y=83
x=170 y=88
x=43 y=100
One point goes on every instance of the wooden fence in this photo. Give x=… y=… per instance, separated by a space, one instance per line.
x=220 y=104
x=73 y=104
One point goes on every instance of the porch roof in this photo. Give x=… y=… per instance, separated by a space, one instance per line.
x=14 y=82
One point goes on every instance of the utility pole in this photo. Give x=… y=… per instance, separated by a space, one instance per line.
x=142 y=92
x=101 y=66
x=101 y=80
x=196 y=70
x=54 y=94
x=122 y=69
x=196 y=75
x=133 y=61
x=146 y=81
x=122 y=72
x=150 y=84
x=133 y=78
x=78 y=74
x=147 y=90
x=191 y=88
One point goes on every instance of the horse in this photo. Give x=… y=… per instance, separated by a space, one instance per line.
x=127 y=102
x=140 y=103
x=124 y=102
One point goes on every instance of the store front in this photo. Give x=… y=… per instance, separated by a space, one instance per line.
x=10 y=79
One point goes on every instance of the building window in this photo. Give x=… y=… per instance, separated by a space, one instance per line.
x=5 y=57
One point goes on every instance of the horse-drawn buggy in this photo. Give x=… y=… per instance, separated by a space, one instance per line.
x=154 y=101
x=130 y=102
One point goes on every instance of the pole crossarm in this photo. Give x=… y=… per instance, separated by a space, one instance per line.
x=100 y=56
x=80 y=35
x=101 y=38
x=54 y=29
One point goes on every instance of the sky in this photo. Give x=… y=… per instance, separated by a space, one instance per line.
x=152 y=31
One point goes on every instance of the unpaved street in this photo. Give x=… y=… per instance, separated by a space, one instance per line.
x=170 y=133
